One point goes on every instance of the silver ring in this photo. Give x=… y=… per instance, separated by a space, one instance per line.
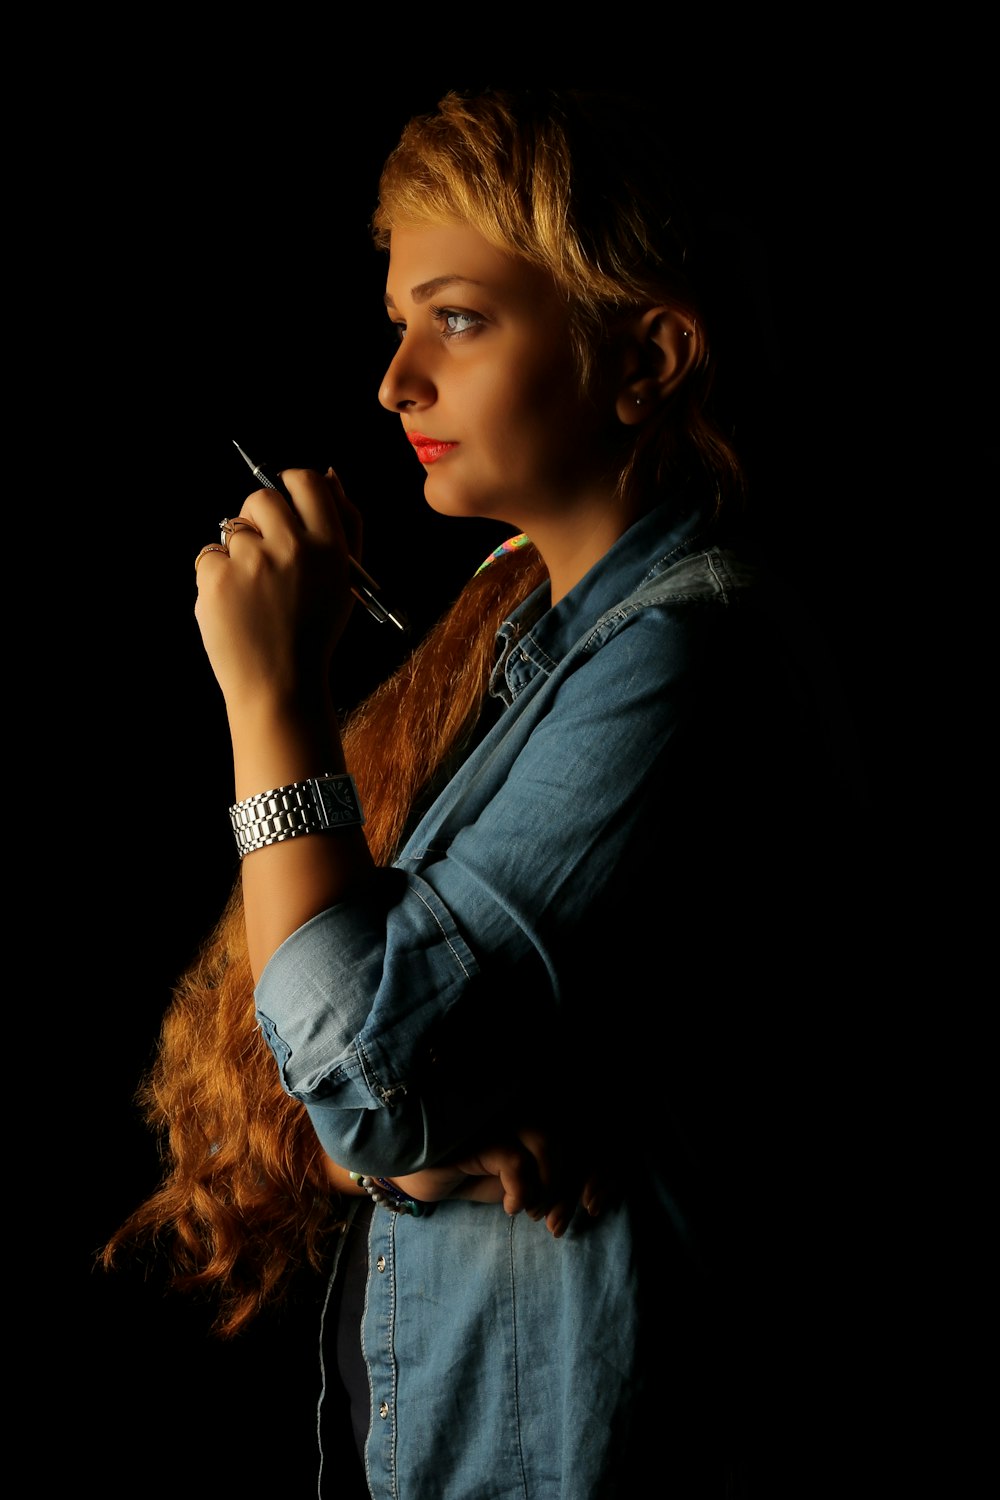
x=230 y=525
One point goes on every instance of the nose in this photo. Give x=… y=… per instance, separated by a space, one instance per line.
x=407 y=384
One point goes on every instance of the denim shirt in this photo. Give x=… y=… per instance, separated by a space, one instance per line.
x=537 y=941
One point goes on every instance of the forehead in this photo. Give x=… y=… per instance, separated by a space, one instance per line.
x=427 y=262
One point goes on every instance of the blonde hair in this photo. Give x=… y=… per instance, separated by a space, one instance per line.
x=580 y=186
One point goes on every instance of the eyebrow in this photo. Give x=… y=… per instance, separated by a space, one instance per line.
x=426 y=289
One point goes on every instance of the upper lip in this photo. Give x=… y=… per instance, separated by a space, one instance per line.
x=420 y=439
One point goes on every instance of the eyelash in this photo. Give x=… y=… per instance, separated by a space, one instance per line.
x=440 y=316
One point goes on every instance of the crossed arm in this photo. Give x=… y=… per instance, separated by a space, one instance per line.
x=527 y=1173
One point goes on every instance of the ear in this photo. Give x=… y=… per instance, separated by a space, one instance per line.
x=661 y=346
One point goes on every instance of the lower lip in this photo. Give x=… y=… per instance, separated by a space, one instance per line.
x=429 y=453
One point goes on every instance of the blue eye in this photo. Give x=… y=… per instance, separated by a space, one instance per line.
x=455 y=323
x=459 y=318
x=452 y=323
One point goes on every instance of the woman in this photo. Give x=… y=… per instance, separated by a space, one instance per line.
x=538 y=942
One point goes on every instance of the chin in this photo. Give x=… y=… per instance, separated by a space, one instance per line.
x=443 y=506
x=448 y=500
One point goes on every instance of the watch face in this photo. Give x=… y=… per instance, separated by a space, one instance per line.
x=340 y=800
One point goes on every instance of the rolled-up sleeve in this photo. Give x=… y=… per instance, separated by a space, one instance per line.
x=319 y=997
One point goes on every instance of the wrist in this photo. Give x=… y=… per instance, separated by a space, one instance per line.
x=273 y=747
x=383 y=1191
x=315 y=804
x=343 y=1180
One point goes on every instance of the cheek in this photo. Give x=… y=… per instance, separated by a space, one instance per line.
x=545 y=398
x=526 y=431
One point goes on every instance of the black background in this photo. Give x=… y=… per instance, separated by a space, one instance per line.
x=233 y=294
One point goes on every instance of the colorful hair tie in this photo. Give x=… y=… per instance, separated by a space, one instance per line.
x=512 y=544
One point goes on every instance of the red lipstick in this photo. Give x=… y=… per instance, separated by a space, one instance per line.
x=429 y=450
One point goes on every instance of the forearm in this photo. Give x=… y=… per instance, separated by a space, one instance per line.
x=287 y=883
x=271 y=608
x=429 y=1186
x=527 y=1172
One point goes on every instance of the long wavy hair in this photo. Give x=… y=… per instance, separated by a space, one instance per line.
x=244 y=1202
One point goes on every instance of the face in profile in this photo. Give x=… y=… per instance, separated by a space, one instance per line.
x=486 y=383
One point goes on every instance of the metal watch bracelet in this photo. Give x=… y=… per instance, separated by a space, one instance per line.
x=320 y=804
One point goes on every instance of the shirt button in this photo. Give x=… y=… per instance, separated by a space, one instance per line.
x=380 y=1263
x=383 y=1410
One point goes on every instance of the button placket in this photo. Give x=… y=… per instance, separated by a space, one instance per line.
x=379 y=1341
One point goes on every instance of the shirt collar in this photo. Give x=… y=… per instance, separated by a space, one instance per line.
x=543 y=634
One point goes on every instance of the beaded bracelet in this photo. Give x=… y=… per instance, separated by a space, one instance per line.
x=381 y=1190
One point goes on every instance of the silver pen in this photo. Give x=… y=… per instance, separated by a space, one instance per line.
x=363 y=586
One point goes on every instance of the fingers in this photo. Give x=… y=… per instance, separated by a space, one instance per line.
x=539 y=1180
x=314 y=520
x=596 y=1191
x=546 y=1157
x=350 y=516
x=316 y=503
x=515 y=1169
x=231 y=526
x=562 y=1179
x=557 y=1220
x=544 y=1151
x=593 y=1199
x=315 y=506
x=207 y=551
x=275 y=591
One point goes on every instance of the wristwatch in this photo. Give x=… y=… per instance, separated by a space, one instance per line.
x=320 y=804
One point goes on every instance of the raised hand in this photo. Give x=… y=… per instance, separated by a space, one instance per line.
x=273 y=602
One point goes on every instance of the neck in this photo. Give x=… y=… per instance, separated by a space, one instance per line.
x=570 y=548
